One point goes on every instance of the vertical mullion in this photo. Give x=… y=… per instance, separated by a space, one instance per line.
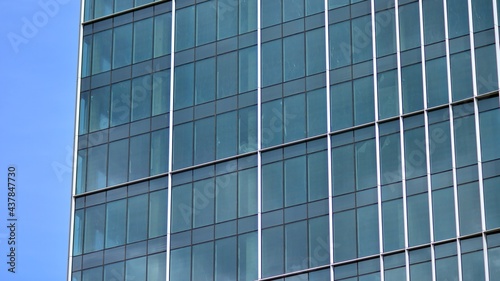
x=170 y=138
x=328 y=139
x=259 y=142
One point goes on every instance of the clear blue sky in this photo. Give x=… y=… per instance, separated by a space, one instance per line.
x=38 y=61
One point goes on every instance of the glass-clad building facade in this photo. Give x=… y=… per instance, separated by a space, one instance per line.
x=287 y=140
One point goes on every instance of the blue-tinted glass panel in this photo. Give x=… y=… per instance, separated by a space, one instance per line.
x=295 y=181
x=469 y=208
x=482 y=14
x=315 y=47
x=447 y=269
x=122 y=46
x=418 y=219
x=272 y=251
x=390 y=159
x=440 y=146
x=227 y=75
x=184 y=28
x=180 y=264
x=364 y=109
x=271 y=12
x=101 y=52
x=226 y=197
x=317 y=180
x=293 y=9
x=96 y=167
x=341 y=106
x=116 y=221
x=368 y=235
x=344 y=236
x=385 y=26
x=486 y=69
x=226 y=259
x=86 y=55
x=247 y=129
x=388 y=97
x=293 y=57
x=491 y=199
x=340 y=44
x=473 y=266
x=120 y=103
x=465 y=141
x=461 y=76
x=203 y=262
x=204 y=86
x=226 y=138
x=162 y=35
x=156 y=267
x=183 y=145
x=182 y=209
x=458 y=18
x=443 y=208
x=415 y=148
x=361 y=31
x=343 y=169
x=161 y=92
x=366 y=164
x=141 y=97
x=247 y=192
x=99 y=109
x=392 y=225
x=409 y=27
x=247 y=256
x=139 y=157
x=205 y=22
x=184 y=86
x=157 y=213
x=294 y=117
x=272 y=70
x=117 y=168
x=94 y=229
x=490 y=149
x=272 y=126
x=296 y=246
x=204 y=140
x=248 y=15
x=137 y=218
x=436 y=81
x=316 y=112
x=227 y=19
x=433 y=11
x=319 y=250
x=272 y=186
x=143 y=40
x=411 y=77
x=247 y=72
x=78 y=232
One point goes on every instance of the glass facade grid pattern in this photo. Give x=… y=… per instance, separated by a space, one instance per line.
x=287 y=140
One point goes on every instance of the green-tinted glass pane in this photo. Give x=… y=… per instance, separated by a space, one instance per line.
x=295 y=246
x=315 y=46
x=415 y=159
x=141 y=97
x=473 y=266
x=388 y=98
x=316 y=112
x=361 y=30
x=443 y=208
x=247 y=192
x=204 y=87
x=489 y=137
x=364 y=109
x=340 y=44
x=96 y=167
x=447 y=269
x=272 y=69
x=319 y=249
x=272 y=123
x=94 y=274
x=366 y=164
x=317 y=177
x=115 y=271
x=159 y=152
x=101 y=52
x=158 y=213
x=79 y=221
x=116 y=221
x=247 y=69
x=368 y=235
x=227 y=75
x=343 y=169
x=137 y=218
x=247 y=256
x=226 y=259
x=247 y=129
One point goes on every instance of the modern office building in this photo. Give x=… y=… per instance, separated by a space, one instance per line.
x=287 y=140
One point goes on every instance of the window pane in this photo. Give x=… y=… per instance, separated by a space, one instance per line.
x=159 y=152
x=94 y=229
x=156 y=267
x=393 y=227
x=340 y=44
x=247 y=129
x=486 y=70
x=99 y=109
x=316 y=112
x=447 y=269
x=343 y=169
x=83 y=120
x=433 y=11
x=225 y=259
x=137 y=217
x=293 y=57
x=184 y=28
x=317 y=177
x=163 y=34
x=227 y=75
x=385 y=32
x=94 y=274
x=141 y=97
x=139 y=157
x=115 y=223
x=294 y=117
x=390 y=159
x=465 y=141
x=247 y=256
x=461 y=76
x=437 y=82
x=271 y=12
x=79 y=221
x=396 y=274
x=205 y=23
x=415 y=158
x=184 y=86
x=203 y=203
x=469 y=209
x=491 y=199
x=248 y=15
x=115 y=271
x=227 y=18
x=388 y=98
x=366 y=164
x=319 y=251
x=96 y=169
x=182 y=208
x=143 y=40
x=204 y=86
x=412 y=88
x=293 y=9
x=361 y=39
x=458 y=23
x=122 y=46
x=272 y=186
x=443 y=208
x=203 y=262
x=295 y=246
x=247 y=72
x=101 y=52
x=482 y=14
x=136 y=269
x=367 y=227
x=409 y=27
x=183 y=145
x=440 y=147
x=161 y=92
x=272 y=126
x=295 y=181
x=158 y=213
x=473 y=266
x=180 y=264
x=204 y=140
x=364 y=110
x=226 y=197
x=81 y=171
x=272 y=251
x=271 y=61
x=123 y=5
x=117 y=168
x=341 y=106
x=418 y=219
x=120 y=103
x=315 y=47
x=344 y=236
x=247 y=192
x=493 y=259
x=226 y=134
